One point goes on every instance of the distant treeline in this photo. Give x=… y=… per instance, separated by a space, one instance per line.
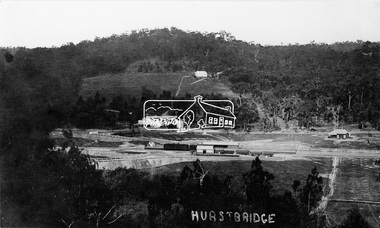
x=97 y=112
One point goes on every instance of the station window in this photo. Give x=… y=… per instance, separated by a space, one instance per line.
x=210 y=120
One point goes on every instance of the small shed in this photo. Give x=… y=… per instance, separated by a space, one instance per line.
x=203 y=149
x=201 y=74
x=222 y=144
x=339 y=134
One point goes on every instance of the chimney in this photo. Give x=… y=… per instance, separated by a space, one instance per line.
x=198 y=98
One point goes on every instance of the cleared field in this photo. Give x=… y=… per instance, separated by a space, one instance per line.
x=126 y=84
x=316 y=140
x=308 y=138
x=88 y=142
x=175 y=136
x=285 y=172
x=356 y=180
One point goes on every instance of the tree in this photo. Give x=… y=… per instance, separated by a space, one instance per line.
x=77 y=194
x=257 y=185
x=289 y=107
x=312 y=192
x=287 y=212
x=8 y=57
x=246 y=114
x=56 y=187
x=92 y=112
x=161 y=196
x=306 y=112
x=165 y=95
x=147 y=94
x=198 y=189
x=129 y=189
x=354 y=220
x=335 y=111
x=117 y=103
x=241 y=88
x=188 y=119
x=271 y=103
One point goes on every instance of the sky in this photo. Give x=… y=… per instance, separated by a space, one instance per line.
x=54 y=23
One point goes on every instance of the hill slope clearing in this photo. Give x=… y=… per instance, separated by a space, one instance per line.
x=130 y=84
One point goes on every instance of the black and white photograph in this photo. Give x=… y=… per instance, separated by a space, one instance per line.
x=181 y=113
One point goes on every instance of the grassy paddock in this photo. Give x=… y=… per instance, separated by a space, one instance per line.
x=88 y=142
x=173 y=135
x=276 y=137
x=356 y=180
x=338 y=211
x=316 y=140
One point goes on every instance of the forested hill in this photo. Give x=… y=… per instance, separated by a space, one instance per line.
x=293 y=81
x=213 y=52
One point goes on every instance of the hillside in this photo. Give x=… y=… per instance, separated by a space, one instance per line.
x=125 y=84
x=295 y=82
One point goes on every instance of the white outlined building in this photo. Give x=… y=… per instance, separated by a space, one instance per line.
x=185 y=115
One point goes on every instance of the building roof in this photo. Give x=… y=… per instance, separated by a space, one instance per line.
x=111 y=110
x=339 y=132
x=209 y=108
x=205 y=147
x=220 y=143
x=218 y=110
